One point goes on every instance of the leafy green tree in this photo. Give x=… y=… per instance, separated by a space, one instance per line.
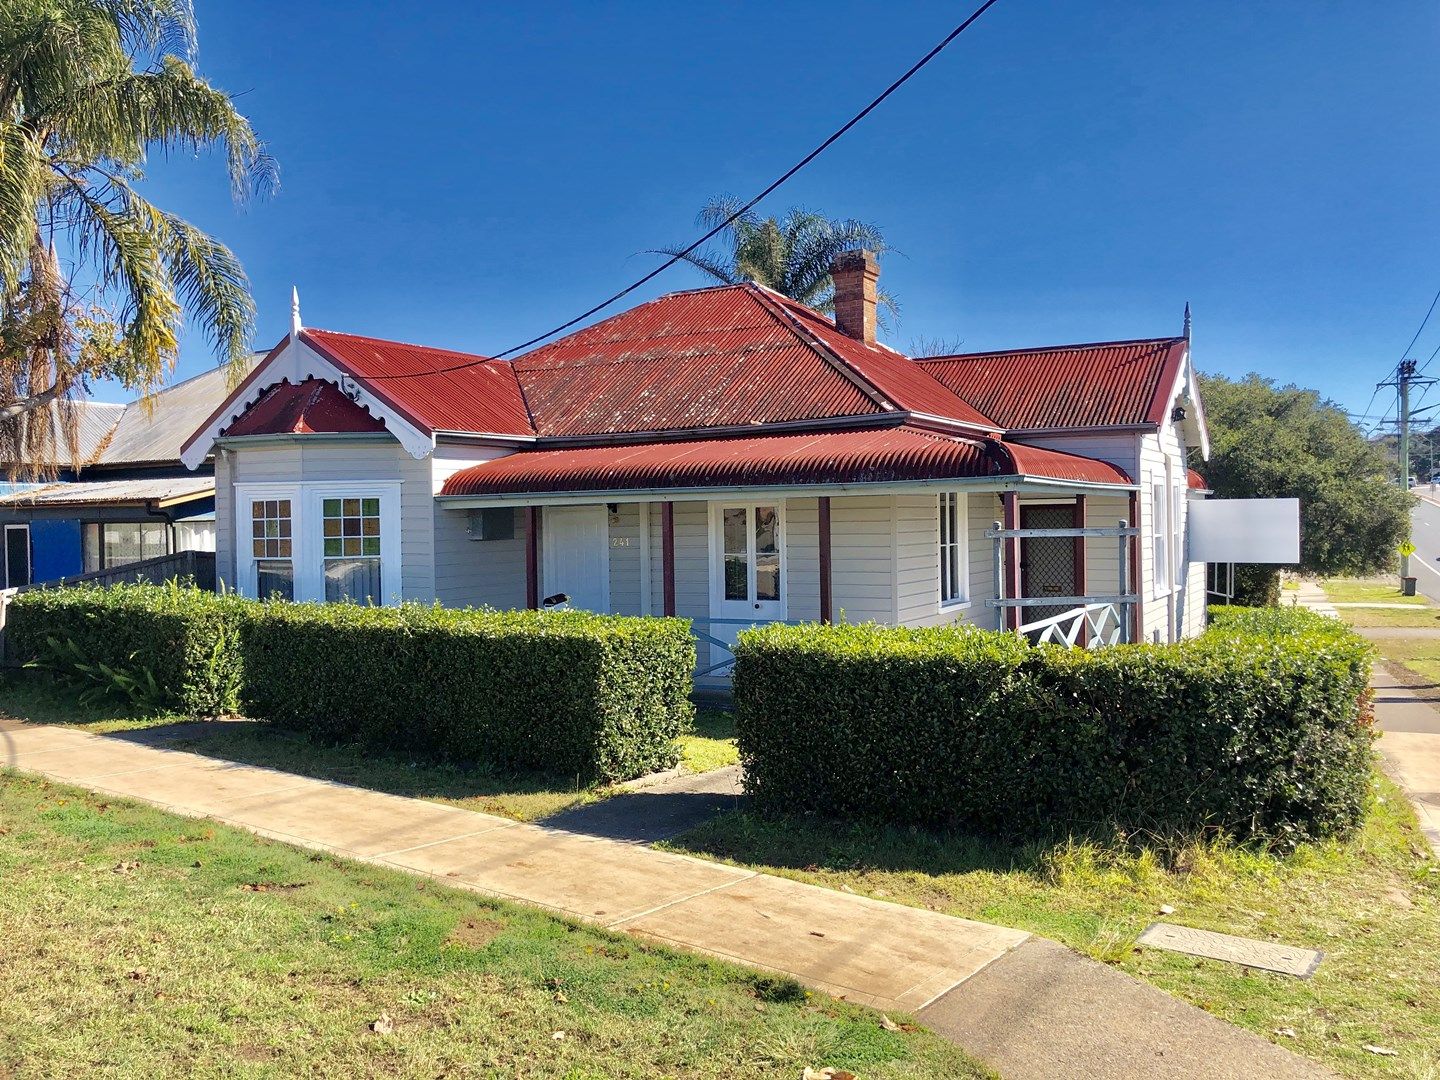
x=96 y=279
x=790 y=254
x=1269 y=441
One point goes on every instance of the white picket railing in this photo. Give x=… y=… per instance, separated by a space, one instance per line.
x=1104 y=624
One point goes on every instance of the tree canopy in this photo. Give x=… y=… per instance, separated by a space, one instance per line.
x=790 y=254
x=96 y=279
x=1269 y=441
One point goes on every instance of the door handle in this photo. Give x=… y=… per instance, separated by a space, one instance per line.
x=757 y=607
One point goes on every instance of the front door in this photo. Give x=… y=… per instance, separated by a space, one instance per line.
x=576 y=558
x=748 y=569
x=1047 y=563
x=17 y=556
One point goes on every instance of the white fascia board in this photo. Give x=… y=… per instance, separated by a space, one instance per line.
x=294 y=363
x=968 y=483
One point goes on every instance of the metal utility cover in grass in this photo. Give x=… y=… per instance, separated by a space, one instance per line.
x=1286 y=959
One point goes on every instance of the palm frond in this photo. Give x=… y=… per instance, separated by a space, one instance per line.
x=212 y=285
x=701 y=261
x=24 y=181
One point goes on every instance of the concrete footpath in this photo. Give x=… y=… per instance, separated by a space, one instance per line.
x=1026 y=1006
x=1410 y=745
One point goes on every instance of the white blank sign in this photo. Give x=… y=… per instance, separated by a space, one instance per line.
x=1245 y=530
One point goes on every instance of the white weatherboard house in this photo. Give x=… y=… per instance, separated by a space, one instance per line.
x=728 y=455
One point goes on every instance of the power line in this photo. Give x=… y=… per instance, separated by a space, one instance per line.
x=1423 y=321
x=678 y=256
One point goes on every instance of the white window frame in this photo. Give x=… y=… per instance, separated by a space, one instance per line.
x=1177 y=531
x=1160 y=532
x=953 y=509
x=307 y=549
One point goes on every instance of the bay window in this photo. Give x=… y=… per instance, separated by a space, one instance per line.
x=320 y=540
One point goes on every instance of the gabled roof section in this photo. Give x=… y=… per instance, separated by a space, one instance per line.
x=897 y=377
x=1107 y=384
x=308 y=407
x=706 y=358
x=444 y=390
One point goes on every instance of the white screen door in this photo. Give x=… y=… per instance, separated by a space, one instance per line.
x=748 y=578
x=576 y=557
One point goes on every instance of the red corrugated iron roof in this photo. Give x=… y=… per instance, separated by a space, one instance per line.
x=312 y=405
x=896 y=376
x=707 y=358
x=481 y=397
x=868 y=456
x=1195 y=482
x=1108 y=384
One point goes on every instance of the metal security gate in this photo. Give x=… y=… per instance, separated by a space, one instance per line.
x=1047 y=563
x=1097 y=620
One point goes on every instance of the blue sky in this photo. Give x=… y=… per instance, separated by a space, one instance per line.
x=470 y=174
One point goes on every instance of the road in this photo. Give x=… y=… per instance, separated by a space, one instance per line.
x=1425 y=532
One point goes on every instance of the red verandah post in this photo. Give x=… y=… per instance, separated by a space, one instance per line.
x=532 y=557
x=825 y=589
x=667 y=554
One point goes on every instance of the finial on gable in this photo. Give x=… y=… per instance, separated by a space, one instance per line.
x=295 y=326
x=1187 y=320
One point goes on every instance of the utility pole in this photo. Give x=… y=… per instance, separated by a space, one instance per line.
x=1405 y=378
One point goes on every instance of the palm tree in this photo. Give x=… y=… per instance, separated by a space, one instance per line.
x=791 y=254
x=96 y=279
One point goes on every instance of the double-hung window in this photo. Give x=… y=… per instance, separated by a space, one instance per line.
x=1160 y=535
x=954 y=568
x=272 y=545
x=352 y=549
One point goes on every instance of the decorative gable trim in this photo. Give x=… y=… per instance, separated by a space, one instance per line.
x=295 y=360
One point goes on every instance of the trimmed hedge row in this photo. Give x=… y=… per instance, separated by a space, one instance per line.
x=182 y=641
x=598 y=695
x=602 y=697
x=1260 y=727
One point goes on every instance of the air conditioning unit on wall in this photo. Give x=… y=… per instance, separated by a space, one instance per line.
x=491 y=523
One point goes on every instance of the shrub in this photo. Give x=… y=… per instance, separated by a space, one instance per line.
x=169 y=646
x=1258 y=728
x=600 y=696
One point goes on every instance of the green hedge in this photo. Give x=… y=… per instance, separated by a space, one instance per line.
x=600 y=696
x=1260 y=727
x=165 y=646
x=596 y=696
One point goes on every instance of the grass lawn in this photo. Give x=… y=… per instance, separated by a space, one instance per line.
x=1379 y=591
x=139 y=943
x=1372 y=905
x=523 y=796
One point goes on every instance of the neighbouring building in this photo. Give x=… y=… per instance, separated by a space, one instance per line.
x=130 y=499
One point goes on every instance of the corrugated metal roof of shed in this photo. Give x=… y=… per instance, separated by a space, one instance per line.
x=89 y=493
x=1106 y=384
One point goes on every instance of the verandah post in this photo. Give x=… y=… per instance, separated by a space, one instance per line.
x=667 y=554
x=532 y=557
x=1081 y=587
x=1010 y=508
x=1137 y=632
x=1125 y=620
x=825 y=589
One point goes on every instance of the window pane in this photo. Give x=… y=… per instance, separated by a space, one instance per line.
x=332 y=547
x=736 y=585
x=259 y=551
x=370 y=526
x=282 y=548
x=767 y=577
x=352 y=545
x=275 y=579
x=352 y=579
x=284 y=508
x=332 y=526
x=735 y=532
x=121 y=543
x=92 y=547
x=767 y=530
x=370 y=545
x=352 y=527
x=332 y=507
x=370 y=507
x=352 y=507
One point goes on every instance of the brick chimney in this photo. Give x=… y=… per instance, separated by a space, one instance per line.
x=855 y=274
